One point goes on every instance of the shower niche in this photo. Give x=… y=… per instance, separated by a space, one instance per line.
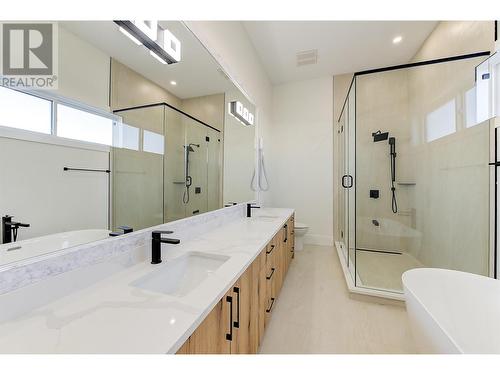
x=415 y=134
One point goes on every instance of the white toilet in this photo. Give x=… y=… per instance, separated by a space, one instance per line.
x=300 y=230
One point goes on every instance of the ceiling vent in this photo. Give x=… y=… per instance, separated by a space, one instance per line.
x=307 y=57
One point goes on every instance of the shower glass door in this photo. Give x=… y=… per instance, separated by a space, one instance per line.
x=137 y=168
x=438 y=146
x=175 y=153
x=195 y=197
x=347 y=131
x=351 y=172
x=166 y=166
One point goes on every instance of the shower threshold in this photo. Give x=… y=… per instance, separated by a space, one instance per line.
x=379 y=251
x=362 y=289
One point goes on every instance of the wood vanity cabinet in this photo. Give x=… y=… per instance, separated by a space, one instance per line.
x=210 y=336
x=271 y=271
x=236 y=325
x=245 y=338
x=263 y=297
x=290 y=246
x=232 y=327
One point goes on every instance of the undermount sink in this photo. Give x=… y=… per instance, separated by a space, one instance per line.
x=453 y=311
x=265 y=218
x=181 y=275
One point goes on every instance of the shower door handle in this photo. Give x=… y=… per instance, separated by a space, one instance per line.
x=349 y=179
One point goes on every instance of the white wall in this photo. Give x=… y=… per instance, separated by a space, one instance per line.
x=299 y=154
x=42 y=194
x=229 y=43
x=83 y=71
x=295 y=121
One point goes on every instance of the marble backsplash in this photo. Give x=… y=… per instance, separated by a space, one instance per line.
x=127 y=249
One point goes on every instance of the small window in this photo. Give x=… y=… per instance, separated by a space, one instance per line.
x=126 y=136
x=84 y=126
x=25 y=111
x=153 y=142
x=441 y=122
x=470 y=108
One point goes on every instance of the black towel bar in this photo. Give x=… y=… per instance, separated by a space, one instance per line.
x=87 y=170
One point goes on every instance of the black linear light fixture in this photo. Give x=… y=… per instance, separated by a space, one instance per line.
x=160 y=42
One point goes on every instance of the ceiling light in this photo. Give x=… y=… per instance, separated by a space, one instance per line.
x=397 y=39
x=157 y=57
x=173 y=83
x=132 y=38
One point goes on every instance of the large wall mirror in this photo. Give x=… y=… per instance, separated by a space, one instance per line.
x=125 y=141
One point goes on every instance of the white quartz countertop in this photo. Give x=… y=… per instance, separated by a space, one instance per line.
x=111 y=316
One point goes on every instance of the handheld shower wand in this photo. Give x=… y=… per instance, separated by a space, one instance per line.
x=392 y=153
x=188 y=179
x=262 y=182
x=378 y=136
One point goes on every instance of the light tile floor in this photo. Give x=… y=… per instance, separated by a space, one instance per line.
x=314 y=314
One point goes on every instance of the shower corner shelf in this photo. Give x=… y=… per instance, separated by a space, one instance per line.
x=406 y=183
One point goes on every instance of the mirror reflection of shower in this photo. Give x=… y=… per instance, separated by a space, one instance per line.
x=378 y=136
x=188 y=179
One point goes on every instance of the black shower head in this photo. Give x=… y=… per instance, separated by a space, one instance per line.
x=379 y=136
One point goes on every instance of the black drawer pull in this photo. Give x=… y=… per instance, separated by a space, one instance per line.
x=270 y=251
x=237 y=324
x=271 y=306
x=271 y=275
x=229 y=336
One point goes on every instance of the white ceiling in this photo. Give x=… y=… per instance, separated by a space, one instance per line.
x=196 y=75
x=343 y=46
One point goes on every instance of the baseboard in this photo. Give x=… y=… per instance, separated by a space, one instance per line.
x=318 y=239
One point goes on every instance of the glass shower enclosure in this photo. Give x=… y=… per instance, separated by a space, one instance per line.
x=166 y=165
x=414 y=148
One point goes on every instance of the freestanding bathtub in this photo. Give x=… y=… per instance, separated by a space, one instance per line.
x=452 y=311
x=15 y=251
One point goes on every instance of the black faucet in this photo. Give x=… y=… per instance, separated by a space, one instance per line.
x=156 y=242
x=125 y=229
x=10 y=227
x=249 y=209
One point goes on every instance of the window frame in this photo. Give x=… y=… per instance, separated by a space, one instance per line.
x=53 y=138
